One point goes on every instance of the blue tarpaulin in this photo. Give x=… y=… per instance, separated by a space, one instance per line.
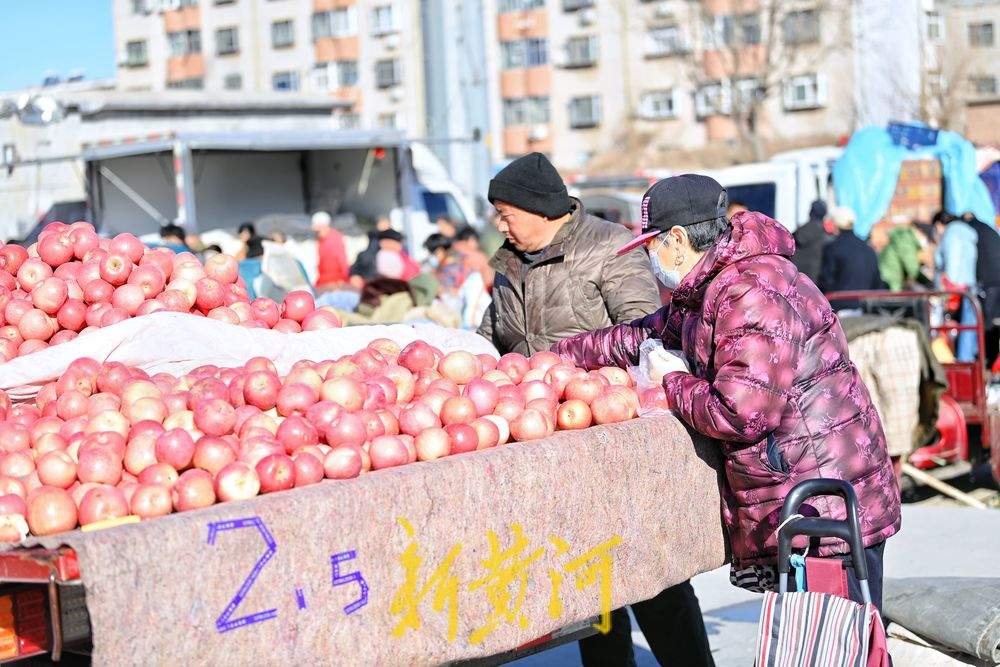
x=865 y=176
x=992 y=179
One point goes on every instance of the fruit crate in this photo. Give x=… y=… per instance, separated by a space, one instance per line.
x=43 y=610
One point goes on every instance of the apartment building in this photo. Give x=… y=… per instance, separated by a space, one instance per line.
x=967 y=66
x=577 y=77
x=364 y=52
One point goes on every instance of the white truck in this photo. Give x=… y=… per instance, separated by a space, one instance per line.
x=785 y=186
x=207 y=181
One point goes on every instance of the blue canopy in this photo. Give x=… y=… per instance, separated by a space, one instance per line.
x=865 y=176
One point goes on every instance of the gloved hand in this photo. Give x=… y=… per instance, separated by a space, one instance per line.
x=661 y=361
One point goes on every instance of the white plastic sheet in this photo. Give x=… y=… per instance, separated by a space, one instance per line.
x=177 y=343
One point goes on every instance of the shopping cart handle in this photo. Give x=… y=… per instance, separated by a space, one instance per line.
x=848 y=530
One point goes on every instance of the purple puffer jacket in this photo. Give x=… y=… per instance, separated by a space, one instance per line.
x=772 y=381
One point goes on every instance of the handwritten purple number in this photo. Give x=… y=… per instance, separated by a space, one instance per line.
x=224 y=623
x=353 y=577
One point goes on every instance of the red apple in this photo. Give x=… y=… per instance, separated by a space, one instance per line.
x=297 y=304
x=276 y=473
x=463 y=438
x=49 y=295
x=193 y=490
x=344 y=462
x=128 y=298
x=149 y=278
x=115 y=269
x=102 y=503
x=574 y=414
x=150 y=501
x=530 y=425
x=237 y=481
x=460 y=367
x=128 y=246
x=308 y=469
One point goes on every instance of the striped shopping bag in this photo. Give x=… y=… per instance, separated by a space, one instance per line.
x=819 y=630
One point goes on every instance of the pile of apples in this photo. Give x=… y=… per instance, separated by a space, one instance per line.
x=72 y=282
x=108 y=441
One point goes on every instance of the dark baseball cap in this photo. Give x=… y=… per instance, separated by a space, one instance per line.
x=678 y=201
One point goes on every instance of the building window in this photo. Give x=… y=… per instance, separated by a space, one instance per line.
x=984 y=85
x=186 y=3
x=749 y=91
x=388 y=121
x=320 y=78
x=335 y=23
x=227 y=41
x=658 y=105
x=713 y=99
x=573 y=5
x=285 y=81
x=184 y=42
x=525 y=111
x=282 y=34
x=347 y=73
x=186 y=84
x=804 y=92
x=233 y=82
x=801 y=27
x=387 y=73
x=980 y=34
x=329 y=76
x=139 y=7
x=664 y=41
x=506 y=6
x=383 y=20
x=584 y=112
x=135 y=54
x=524 y=53
x=347 y=121
x=935 y=27
x=735 y=30
x=581 y=52
x=225 y=2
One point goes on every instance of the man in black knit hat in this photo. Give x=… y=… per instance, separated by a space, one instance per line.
x=558 y=275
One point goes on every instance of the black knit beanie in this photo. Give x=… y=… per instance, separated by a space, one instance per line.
x=532 y=184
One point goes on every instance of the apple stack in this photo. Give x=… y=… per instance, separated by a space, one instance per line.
x=107 y=441
x=72 y=282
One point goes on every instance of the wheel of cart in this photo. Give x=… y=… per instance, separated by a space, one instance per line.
x=968 y=429
x=819 y=621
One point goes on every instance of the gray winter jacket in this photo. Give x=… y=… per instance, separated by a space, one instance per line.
x=577 y=284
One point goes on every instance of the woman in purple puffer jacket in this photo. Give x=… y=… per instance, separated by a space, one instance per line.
x=771 y=379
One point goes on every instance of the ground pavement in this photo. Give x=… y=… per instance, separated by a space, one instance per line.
x=935 y=541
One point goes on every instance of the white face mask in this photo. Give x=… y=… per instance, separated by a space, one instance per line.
x=669 y=278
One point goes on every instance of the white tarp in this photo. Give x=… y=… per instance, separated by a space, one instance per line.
x=177 y=343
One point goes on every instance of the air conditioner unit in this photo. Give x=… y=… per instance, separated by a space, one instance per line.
x=526 y=23
x=587 y=17
x=663 y=10
x=539 y=132
x=391 y=42
x=397 y=94
x=560 y=57
x=167 y=5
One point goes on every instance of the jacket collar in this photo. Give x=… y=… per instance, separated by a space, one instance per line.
x=751 y=234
